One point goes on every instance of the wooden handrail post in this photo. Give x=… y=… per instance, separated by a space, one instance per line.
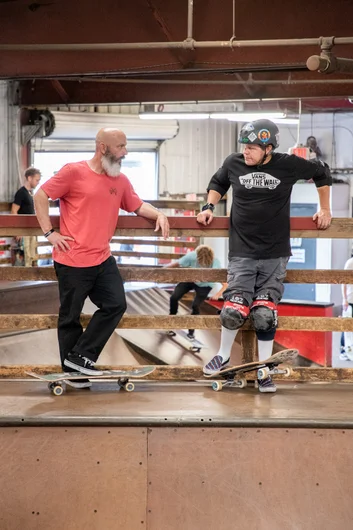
x=249 y=346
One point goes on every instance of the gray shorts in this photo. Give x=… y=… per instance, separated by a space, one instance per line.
x=249 y=278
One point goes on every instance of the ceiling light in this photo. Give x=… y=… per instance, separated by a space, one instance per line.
x=286 y=121
x=174 y=116
x=246 y=116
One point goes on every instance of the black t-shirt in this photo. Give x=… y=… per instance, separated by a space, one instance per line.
x=260 y=214
x=24 y=200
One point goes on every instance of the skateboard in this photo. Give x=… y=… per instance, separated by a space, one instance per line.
x=264 y=369
x=55 y=381
x=181 y=338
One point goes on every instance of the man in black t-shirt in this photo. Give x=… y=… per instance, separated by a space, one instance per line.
x=259 y=233
x=23 y=205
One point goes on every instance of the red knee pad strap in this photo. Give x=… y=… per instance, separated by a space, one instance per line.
x=244 y=310
x=264 y=303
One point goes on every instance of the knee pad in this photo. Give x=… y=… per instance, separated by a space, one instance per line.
x=263 y=314
x=234 y=313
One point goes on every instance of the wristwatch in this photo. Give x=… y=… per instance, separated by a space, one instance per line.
x=208 y=206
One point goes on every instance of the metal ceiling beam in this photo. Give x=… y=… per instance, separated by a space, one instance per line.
x=166 y=31
x=60 y=90
x=108 y=92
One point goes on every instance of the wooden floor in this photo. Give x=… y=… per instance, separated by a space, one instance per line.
x=185 y=404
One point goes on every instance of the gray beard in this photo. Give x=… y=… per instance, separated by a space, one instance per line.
x=111 y=168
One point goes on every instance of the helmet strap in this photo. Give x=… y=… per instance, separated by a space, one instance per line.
x=265 y=156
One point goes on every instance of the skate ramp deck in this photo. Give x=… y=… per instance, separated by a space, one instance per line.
x=125 y=346
x=154 y=301
x=41 y=347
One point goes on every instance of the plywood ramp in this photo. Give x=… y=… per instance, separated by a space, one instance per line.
x=73 y=478
x=258 y=479
x=163 y=478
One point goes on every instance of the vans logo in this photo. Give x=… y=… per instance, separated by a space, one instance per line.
x=259 y=180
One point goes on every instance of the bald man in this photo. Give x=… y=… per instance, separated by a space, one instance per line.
x=91 y=193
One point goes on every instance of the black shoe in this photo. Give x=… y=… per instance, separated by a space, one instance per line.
x=81 y=364
x=191 y=336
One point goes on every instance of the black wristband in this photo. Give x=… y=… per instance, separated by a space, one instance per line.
x=49 y=232
x=208 y=206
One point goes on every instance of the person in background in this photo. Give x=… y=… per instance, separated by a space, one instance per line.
x=315 y=151
x=202 y=257
x=23 y=205
x=347 y=308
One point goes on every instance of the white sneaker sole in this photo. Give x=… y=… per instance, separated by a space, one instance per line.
x=82 y=370
x=77 y=384
x=268 y=390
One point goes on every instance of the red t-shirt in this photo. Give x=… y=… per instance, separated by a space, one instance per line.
x=89 y=210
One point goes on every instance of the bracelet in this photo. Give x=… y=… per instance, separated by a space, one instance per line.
x=49 y=232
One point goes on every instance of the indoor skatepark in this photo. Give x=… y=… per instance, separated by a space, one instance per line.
x=152 y=435
x=175 y=454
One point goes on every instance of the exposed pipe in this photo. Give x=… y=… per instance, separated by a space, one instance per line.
x=190 y=19
x=231 y=44
x=204 y=82
x=299 y=121
x=329 y=64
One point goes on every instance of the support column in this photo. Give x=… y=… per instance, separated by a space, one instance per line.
x=10 y=143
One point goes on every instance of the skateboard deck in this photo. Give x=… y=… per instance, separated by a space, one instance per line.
x=181 y=338
x=122 y=377
x=264 y=369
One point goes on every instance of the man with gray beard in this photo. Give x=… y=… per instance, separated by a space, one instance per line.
x=91 y=193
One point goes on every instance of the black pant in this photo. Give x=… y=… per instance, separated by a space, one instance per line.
x=103 y=285
x=183 y=288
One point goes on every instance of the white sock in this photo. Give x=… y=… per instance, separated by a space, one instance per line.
x=227 y=339
x=265 y=349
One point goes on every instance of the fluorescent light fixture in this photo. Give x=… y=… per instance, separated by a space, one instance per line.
x=174 y=116
x=286 y=121
x=246 y=116
x=277 y=117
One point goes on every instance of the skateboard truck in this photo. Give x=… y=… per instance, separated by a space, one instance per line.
x=262 y=373
x=231 y=381
x=58 y=388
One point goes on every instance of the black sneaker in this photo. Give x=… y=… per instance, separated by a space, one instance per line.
x=190 y=336
x=81 y=364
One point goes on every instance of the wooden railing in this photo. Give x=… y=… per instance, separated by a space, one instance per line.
x=182 y=226
x=169 y=204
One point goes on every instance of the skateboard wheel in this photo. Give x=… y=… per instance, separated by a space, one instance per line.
x=122 y=383
x=262 y=373
x=57 y=390
x=129 y=387
x=217 y=386
x=288 y=370
x=195 y=349
x=242 y=383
